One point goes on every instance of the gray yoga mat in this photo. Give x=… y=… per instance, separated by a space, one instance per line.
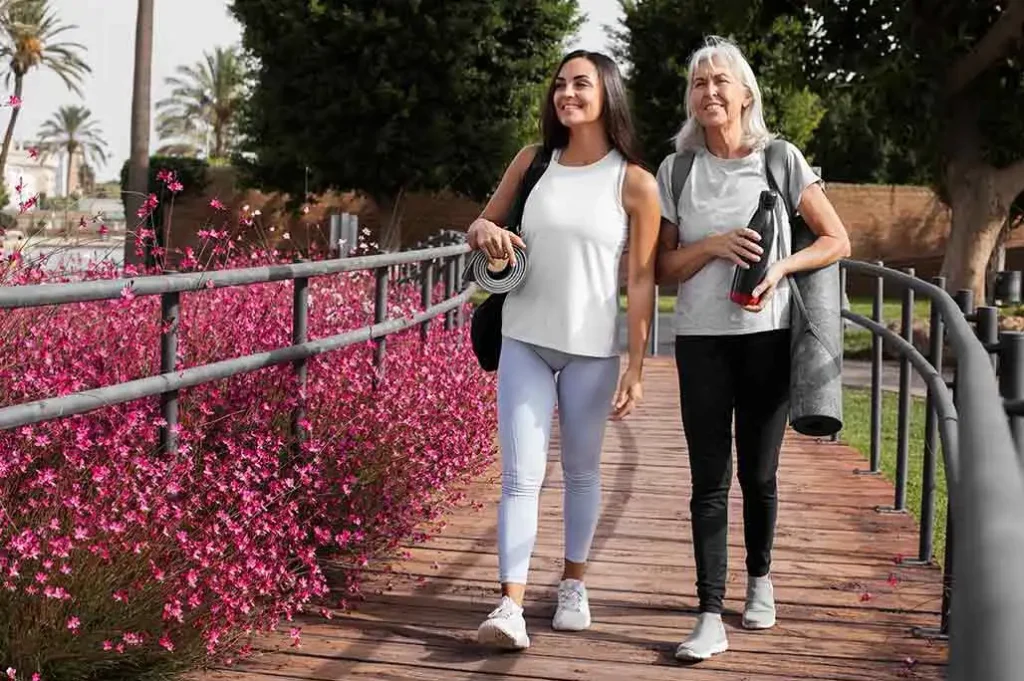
x=816 y=378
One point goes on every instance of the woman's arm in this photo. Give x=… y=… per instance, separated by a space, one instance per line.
x=832 y=243
x=640 y=199
x=484 y=233
x=679 y=263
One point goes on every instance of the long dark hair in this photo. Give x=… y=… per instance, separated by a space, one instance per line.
x=615 y=111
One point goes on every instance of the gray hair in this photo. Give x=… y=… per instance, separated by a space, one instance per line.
x=755 y=131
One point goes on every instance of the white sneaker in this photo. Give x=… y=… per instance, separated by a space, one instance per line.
x=505 y=627
x=573 y=613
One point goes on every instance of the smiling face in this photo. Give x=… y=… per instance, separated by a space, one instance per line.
x=578 y=96
x=717 y=96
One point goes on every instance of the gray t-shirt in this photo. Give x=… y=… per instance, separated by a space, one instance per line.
x=720 y=195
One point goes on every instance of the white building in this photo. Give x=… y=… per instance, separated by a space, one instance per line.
x=35 y=176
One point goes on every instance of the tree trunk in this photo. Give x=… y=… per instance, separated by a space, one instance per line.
x=218 y=141
x=971 y=240
x=19 y=84
x=138 y=162
x=390 y=210
x=980 y=196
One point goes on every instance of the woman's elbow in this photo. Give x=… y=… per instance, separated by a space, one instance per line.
x=843 y=248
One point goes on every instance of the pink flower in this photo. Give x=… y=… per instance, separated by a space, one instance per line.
x=14 y=101
x=217 y=205
x=73 y=624
x=148 y=206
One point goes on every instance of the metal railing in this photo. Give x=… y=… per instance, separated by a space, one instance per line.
x=978 y=417
x=170 y=381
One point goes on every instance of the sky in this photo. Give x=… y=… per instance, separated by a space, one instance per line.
x=183 y=31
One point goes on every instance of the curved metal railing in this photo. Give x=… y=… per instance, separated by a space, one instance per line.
x=984 y=471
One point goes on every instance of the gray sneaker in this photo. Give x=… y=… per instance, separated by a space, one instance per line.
x=759 y=612
x=707 y=639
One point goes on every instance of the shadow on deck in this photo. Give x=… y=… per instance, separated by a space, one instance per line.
x=846 y=603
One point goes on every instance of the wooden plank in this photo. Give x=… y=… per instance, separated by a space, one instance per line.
x=416 y=617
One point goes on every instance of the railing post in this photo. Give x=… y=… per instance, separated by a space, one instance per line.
x=936 y=337
x=842 y=323
x=903 y=410
x=987 y=329
x=876 y=377
x=426 y=294
x=460 y=266
x=300 y=330
x=1011 y=380
x=655 y=322
x=964 y=299
x=449 y=291
x=380 y=313
x=170 y=312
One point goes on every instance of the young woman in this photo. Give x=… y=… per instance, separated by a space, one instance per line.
x=559 y=326
x=732 y=361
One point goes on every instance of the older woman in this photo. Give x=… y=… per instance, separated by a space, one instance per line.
x=733 y=361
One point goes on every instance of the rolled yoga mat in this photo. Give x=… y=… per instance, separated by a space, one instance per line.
x=816 y=376
x=504 y=281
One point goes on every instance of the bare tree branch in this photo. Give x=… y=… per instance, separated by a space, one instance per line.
x=993 y=45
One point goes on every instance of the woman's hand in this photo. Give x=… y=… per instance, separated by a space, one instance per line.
x=763 y=291
x=739 y=246
x=630 y=392
x=496 y=242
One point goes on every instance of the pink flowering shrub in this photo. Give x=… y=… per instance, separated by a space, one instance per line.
x=119 y=562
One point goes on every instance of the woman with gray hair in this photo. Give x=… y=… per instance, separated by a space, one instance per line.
x=733 y=359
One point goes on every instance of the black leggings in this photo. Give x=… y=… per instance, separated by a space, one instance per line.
x=717 y=374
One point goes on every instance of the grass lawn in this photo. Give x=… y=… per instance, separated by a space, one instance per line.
x=857 y=433
x=857 y=341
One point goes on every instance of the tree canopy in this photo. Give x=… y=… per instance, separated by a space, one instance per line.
x=943 y=81
x=392 y=97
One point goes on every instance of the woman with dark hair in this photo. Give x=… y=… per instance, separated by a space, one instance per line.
x=559 y=328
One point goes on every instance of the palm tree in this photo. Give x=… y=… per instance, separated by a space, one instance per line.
x=29 y=38
x=138 y=159
x=201 y=113
x=74 y=132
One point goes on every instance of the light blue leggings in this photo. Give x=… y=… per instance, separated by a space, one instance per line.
x=530 y=380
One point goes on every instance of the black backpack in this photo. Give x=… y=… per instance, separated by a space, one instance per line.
x=485 y=326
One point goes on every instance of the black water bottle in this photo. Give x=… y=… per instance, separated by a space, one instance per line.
x=744 y=281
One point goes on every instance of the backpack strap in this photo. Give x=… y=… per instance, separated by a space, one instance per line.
x=680 y=171
x=533 y=173
x=778 y=168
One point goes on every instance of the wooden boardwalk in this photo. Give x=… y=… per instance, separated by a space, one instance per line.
x=845 y=602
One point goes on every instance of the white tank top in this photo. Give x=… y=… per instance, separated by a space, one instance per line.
x=574 y=227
